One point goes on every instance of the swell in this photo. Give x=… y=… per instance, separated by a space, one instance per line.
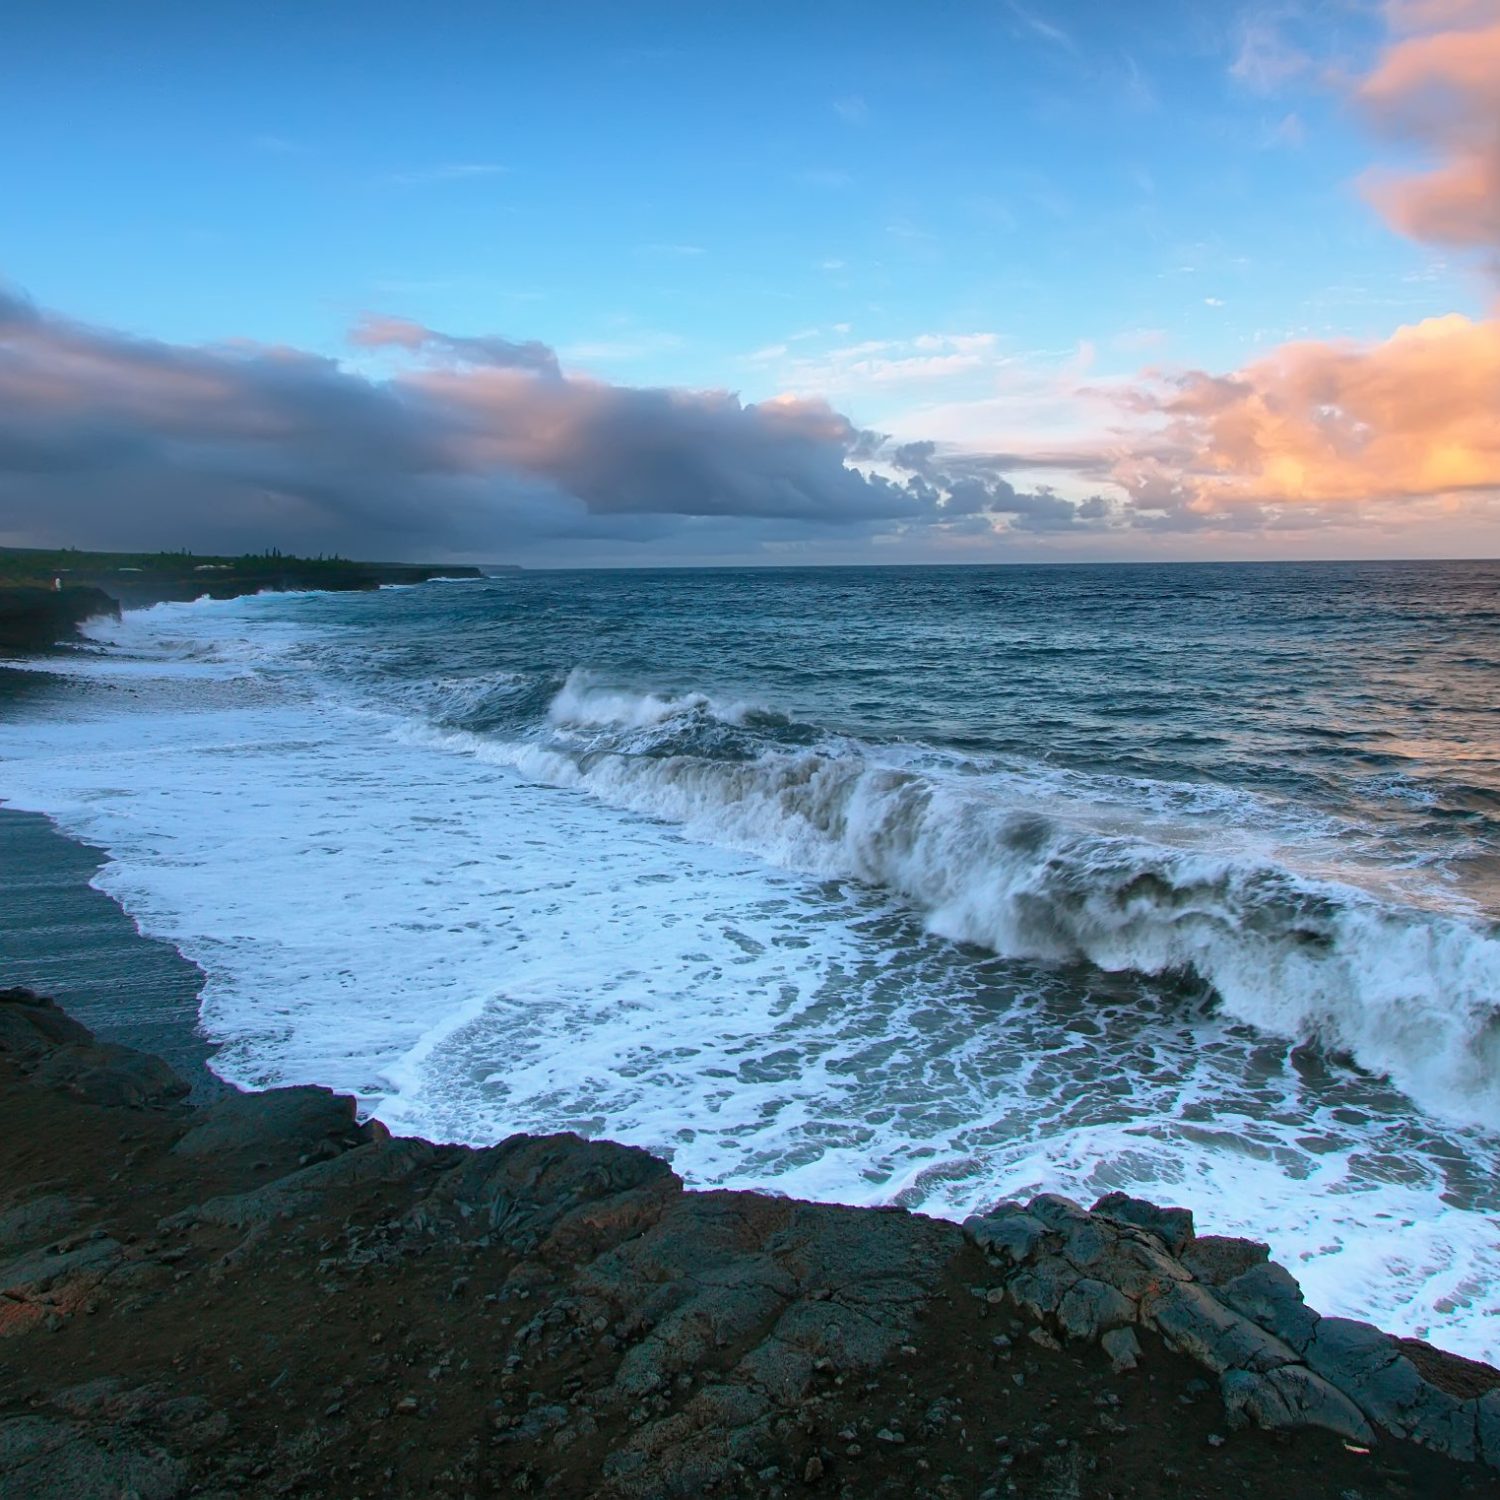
x=1409 y=993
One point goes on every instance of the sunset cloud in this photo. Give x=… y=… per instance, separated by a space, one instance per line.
x=429 y=441
x=473 y=443
x=1439 y=90
x=1328 y=425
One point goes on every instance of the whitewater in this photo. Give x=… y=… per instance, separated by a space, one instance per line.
x=931 y=886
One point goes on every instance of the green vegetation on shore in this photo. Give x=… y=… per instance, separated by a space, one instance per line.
x=45 y=593
x=39 y=566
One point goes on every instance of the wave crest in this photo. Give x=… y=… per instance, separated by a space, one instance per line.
x=1408 y=993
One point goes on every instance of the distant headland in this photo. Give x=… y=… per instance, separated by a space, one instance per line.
x=46 y=593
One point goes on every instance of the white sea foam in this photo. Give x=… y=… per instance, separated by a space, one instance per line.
x=584 y=702
x=474 y=953
x=1409 y=993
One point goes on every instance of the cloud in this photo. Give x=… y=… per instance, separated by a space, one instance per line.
x=376 y=332
x=924 y=360
x=968 y=485
x=474 y=445
x=852 y=110
x=1040 y=26
x=1322 y=426
x=1437 y=15
x=1288 y=132
x=1266 y=61
x=1440 y=91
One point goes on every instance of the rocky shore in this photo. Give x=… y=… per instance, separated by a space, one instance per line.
x=262 y=1296
x=33 y=619
x=36 y=614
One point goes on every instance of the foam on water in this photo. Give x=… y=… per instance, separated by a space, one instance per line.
x=748 y=963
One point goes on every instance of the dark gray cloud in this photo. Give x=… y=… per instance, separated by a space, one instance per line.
x=483 y=447
x=975 y=484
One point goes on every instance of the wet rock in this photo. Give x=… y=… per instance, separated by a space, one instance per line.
x=1172 y=1226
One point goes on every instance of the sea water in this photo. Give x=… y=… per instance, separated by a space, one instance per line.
x=919 y=886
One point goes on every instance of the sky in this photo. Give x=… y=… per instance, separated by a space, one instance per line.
x=662 y=283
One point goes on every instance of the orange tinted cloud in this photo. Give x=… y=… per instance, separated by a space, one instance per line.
x=1441 y=91
x=1326 y=424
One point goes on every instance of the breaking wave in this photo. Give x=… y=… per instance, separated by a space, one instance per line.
x=1000 y=862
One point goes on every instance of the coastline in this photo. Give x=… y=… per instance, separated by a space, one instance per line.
x=63 y=936
x=1383 y=1305
x=263 y=1296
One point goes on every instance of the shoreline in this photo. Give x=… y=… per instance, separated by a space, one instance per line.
x=63 y=936
x=264 y=1296
x=1251 y=1223
x=1382 y=1304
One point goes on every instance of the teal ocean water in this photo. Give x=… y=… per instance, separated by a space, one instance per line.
x=932 y=886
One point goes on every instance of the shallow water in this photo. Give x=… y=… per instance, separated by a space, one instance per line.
x=926 y=885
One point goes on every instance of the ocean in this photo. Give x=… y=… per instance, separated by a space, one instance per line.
x=928 y=886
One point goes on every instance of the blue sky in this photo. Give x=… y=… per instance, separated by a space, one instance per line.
x=944 y=220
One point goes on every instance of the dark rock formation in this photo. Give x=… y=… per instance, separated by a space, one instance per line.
x=1223 y=1303
x=34 y=619
x=264 y=1296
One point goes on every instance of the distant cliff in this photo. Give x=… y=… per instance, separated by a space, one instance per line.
x=32 y=619
x=136 y=591
x=29 y=580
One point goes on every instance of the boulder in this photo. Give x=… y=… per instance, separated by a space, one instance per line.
x=297 y=1122
x=1007 y=1230
x=1090 y=1308
x=1369 y=1365
x=1291 y=1396
x=115 y=1077
x=1123 y=1348
x=1215 y=1259
x=31 y=1025
x=1269 y=1295
x=1172 y=1226
x=1196 y=1323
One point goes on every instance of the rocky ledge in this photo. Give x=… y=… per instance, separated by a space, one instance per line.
x=263 y=1296
x=34 y=619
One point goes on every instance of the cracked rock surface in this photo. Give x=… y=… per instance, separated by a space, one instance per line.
x=266 y=1297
